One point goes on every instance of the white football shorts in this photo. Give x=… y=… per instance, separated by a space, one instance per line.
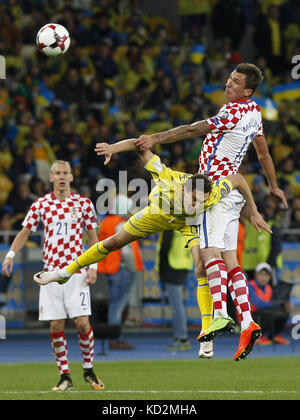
x=62 y=301
x=218 y=226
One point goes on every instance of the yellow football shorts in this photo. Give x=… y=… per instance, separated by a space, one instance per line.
x=145 y=223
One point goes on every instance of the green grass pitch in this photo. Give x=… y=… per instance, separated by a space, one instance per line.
x=256 y=378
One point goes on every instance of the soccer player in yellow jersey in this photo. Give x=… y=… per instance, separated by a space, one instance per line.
x=176 y=198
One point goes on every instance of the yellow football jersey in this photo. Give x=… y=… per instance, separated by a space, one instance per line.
x=166 y=196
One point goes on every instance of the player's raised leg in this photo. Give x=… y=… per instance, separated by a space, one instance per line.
x=212 y=225
x=94 y=254
x=217 y=280
x=250 y=331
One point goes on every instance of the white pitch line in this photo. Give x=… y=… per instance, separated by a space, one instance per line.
x=159 y=392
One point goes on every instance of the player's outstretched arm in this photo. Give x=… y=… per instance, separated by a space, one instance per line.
x=107 y=150
x=239 y=182
x=182 y=132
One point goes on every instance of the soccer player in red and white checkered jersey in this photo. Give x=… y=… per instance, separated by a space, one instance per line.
x=64 y=215
x=228 y=136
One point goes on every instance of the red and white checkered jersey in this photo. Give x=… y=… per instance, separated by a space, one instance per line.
x=63 y=223
x=232 y=131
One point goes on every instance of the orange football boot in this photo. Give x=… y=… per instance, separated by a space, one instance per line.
x=247 y=340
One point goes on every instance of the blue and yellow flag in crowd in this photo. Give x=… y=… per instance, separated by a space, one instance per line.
x=286 y=91
x=197 y=54
x=215 y=93
x=268 y=107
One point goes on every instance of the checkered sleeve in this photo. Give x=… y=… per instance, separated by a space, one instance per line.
x=33 y=217
x=89 y=215
x=260 y=131
x=225 y=120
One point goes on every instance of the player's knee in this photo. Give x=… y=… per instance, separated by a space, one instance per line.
x=230 y=259
x=230 y=265
x=199 y=270
x=82 y=324
x=209 y=253
x=57 y=325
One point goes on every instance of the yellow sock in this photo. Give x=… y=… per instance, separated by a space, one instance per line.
x=205 y=302
x=94 y=254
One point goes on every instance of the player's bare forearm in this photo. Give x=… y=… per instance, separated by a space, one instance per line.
x=239 y=182
x=267 y=164
x=265 y=159
x=269 y=170
x=145 y=156
x=182 y=132
x=20 y=240
x=107 y=150
x=130 y=145
x=199 y=128
x=18 y=243
x=124 y=146
x=121 y=146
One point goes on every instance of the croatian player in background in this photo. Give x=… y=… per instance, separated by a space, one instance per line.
x=228 y=136
x=64 y=215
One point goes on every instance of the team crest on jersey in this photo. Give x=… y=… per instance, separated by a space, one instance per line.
x=74 y=213
x=223 y=115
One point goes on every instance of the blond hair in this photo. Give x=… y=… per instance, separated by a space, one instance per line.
x=60 y=162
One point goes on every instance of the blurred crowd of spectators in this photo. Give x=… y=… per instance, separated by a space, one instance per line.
x=127 y=73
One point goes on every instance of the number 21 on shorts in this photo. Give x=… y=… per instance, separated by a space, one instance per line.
x=84 y=299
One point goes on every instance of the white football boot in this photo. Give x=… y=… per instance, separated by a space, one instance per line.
x=206 y=350
x=45 y=277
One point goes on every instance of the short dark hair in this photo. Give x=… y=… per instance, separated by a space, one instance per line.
x=207 y=183
x=254 y=76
